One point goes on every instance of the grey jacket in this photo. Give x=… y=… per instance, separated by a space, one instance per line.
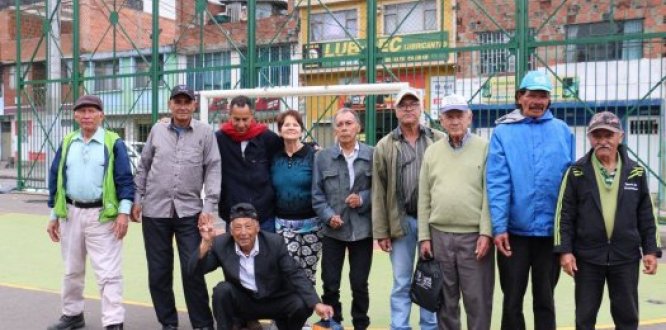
x=330 y=187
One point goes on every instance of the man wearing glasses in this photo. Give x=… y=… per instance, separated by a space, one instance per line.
x=395 y=176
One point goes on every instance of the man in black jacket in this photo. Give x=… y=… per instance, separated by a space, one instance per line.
x=261 y=279
x=247 y=148
x=604 y=223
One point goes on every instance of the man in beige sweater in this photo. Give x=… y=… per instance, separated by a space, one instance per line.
x=453 y=218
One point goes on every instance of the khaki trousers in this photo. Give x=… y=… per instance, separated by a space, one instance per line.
x=82 y=234
x=463 y=274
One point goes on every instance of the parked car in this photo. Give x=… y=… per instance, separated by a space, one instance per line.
x=134 y=150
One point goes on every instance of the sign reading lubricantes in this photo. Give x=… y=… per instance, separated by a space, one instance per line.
x=390 y=49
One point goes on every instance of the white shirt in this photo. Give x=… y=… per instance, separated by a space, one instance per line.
x=246 y=269
x=350 y=163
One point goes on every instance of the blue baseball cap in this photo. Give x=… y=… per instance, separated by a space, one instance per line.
x=536 y=81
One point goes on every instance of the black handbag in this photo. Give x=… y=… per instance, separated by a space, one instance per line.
x=426 y=289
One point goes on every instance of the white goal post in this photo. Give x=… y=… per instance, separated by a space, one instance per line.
x=354 y=89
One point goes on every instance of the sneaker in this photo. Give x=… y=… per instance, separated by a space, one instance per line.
x=69 y=323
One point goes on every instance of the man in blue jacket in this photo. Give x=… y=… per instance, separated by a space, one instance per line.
x=90 y=195
x=528 y=154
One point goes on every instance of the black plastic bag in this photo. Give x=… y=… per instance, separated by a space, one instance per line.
x=426 y=290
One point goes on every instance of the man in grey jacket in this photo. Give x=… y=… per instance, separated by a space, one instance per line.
x=341 y=197
x=179 y=159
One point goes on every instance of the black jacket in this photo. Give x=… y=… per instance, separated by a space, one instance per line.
x=276 y=273
x=579 y=223
x=246 y=176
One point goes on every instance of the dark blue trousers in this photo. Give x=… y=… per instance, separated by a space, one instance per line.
x=622 y=290
x=360 y=259
x=158 y=234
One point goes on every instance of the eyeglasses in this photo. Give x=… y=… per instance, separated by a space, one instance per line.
x=410 y=105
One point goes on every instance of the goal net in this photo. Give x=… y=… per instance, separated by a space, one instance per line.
x=316 y=104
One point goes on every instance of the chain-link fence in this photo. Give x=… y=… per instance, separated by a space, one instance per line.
x=601 y=55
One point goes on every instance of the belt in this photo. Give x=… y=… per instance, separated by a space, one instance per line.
x=85 y=205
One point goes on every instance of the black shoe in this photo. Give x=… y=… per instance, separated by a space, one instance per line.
x=203 y=328
x=69 y=323
x=118 y=326
x=169 y=327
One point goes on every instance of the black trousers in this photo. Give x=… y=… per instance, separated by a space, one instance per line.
x=236 y=304
x=535 y=254
x=360 y=260
x=158 y=234
x=622 y=290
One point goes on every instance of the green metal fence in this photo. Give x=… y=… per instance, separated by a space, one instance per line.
x=602 y=55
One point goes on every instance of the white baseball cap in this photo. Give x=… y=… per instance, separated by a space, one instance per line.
x=453 y=102
x=408 y=91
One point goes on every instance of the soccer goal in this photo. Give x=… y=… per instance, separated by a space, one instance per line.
x=316 y=104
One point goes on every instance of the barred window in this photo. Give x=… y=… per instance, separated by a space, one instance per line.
x=495 y=60
x=337 y=25
x=217 y=77
x=143 y=66
x=606 y=51
x=644 y=126
x=107 y=68
x=498 y=60
x=410 y=17
x=274 y=75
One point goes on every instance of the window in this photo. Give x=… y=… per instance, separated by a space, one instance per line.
x=66 y=69
x=264 y=10
x=218 y=77
x=12 y=74
x=410 y=17
x=498 y=60
x=143 y=66
x=106 y=72
x=644 y=126
x=278 y=75
x=607 y=51
x=334 y=26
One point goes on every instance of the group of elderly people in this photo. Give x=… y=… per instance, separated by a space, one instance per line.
x=452 y=196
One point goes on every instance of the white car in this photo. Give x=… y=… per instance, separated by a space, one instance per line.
x=134 y=152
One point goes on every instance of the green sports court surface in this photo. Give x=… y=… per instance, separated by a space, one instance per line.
x=32 y=268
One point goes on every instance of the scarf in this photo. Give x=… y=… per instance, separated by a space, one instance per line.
x=253 y=131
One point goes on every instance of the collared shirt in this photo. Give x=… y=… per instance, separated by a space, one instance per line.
x=350 y=163
x=175 y=167
x=246 y=269
x=462 y=143
x=409 y=164
x=85 y=170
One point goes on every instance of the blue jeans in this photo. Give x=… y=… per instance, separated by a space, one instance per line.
x=402 y=261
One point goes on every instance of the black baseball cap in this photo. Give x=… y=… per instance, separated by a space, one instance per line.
x=182 y=90
x=243 y=210
x=89 y=100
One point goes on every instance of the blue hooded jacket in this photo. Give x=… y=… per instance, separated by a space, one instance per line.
x=526 y=160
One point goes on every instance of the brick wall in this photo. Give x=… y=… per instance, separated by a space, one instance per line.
x=470 y=20
x=216 y=38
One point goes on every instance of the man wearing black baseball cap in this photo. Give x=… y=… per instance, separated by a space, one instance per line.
x=261 y=279
x=604 y=225
x=179 y=159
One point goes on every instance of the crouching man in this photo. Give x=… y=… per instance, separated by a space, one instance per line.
x=262 y=281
